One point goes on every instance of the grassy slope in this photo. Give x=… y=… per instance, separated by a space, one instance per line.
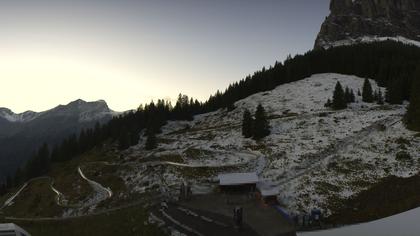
x=35 y=201
x=38 y=200
x=129 y=221
x=392 y=195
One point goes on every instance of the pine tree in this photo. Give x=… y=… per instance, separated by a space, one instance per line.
x=328 y=103
x=347 y=95
x=18 y=177
x=394 y=92
x=39 y=164
x=339 y=101
x=151 y=142
x=375 y=96
x=9 y=182
x=134 y=138
x=123 y=140
x=352 y=96
x=247 y=123
x=367 y=94
x=3 y=189
x=44 y=158
x=261 y=127
x=380 y=98
x=412 y=118
x=230 y=106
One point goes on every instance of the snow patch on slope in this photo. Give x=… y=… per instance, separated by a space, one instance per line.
x=369 y=39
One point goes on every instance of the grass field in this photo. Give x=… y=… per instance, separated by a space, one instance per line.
x=36 y=200
x=129 y=221
x=392 y=195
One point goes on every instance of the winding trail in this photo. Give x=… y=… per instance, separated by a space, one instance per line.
x=60 y=199
x=9 y=201
x=102 y=192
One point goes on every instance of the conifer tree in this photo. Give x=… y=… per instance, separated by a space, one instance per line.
x=328 y=103
x=247 y=123
x=380 y=98
x=40 y=164
x=151 y=142
x=412 y=118
x=339 y=101
x=352 y=96
x=18 y=177
x=9 y=182
x=347 y=95
x=261 y=127
x=124 y=140
x=230 y=106
x=367 y=93
x=134 y=138
x=375 y=96
x=394 y=92
x=3 y=189
x=44 y=157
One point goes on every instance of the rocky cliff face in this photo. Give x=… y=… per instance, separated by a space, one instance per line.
x=352 y=21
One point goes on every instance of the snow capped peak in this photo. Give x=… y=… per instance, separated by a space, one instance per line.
x=85 y=111
x=10 y=116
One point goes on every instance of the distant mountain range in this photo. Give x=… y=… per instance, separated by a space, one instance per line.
x=21 y=134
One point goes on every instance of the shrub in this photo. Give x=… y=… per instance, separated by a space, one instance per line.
x=403 y=156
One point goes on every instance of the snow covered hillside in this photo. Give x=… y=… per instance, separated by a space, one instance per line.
x=313 y=155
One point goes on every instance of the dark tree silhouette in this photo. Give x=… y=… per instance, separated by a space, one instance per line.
x=261 y=126
x=339 y=100
x=40 y=164
x=151 y=142
x=412 y=118
x=380 y=98
x=367 y=92
x=247 y=124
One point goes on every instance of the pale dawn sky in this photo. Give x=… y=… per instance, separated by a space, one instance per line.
x=128 y=52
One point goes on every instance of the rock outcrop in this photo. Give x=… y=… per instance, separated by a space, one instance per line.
x=353 y=21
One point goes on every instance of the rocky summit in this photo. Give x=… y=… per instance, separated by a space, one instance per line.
x=352 y=21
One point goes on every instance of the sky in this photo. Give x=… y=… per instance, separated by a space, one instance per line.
x=128 y=52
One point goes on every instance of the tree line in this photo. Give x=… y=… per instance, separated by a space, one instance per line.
x=341 y=98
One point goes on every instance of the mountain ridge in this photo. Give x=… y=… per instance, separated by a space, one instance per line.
x=80 y=105
x=21 y=134
x=354 y=21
